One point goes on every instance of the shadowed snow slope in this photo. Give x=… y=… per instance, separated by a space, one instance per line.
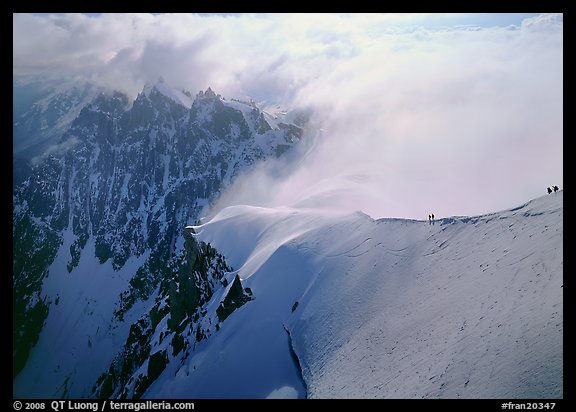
x=468 y=307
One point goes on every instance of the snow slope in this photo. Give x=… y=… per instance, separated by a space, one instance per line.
x=470 y=307
x=78 y=340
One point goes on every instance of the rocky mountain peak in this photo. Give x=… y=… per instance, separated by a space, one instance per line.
x=110 y=210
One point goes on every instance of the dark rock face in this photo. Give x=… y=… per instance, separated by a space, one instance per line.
x=193 y=279
x=237 y=296
x=129 y=177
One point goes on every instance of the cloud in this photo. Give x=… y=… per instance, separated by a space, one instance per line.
x=455 y=114
x=56 y=149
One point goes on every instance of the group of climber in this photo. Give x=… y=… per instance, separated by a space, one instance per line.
x=555 y=188
x=550 y=189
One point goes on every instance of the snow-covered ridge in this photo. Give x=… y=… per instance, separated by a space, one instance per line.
x=466 y=307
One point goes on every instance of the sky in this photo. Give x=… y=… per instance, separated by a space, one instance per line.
x=451 y=114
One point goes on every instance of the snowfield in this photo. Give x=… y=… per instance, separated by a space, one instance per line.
x=344 y=306
x=470 y=307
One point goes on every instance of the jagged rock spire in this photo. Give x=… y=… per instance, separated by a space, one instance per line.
x=209 y=92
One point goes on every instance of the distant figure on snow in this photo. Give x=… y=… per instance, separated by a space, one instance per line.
x=432 y=218
x=429 y=219
x=549 y=190
x=555 y=188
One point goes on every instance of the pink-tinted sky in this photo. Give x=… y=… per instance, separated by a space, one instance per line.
x=452 y=114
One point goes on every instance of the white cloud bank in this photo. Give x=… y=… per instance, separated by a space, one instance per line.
x=420 y=113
